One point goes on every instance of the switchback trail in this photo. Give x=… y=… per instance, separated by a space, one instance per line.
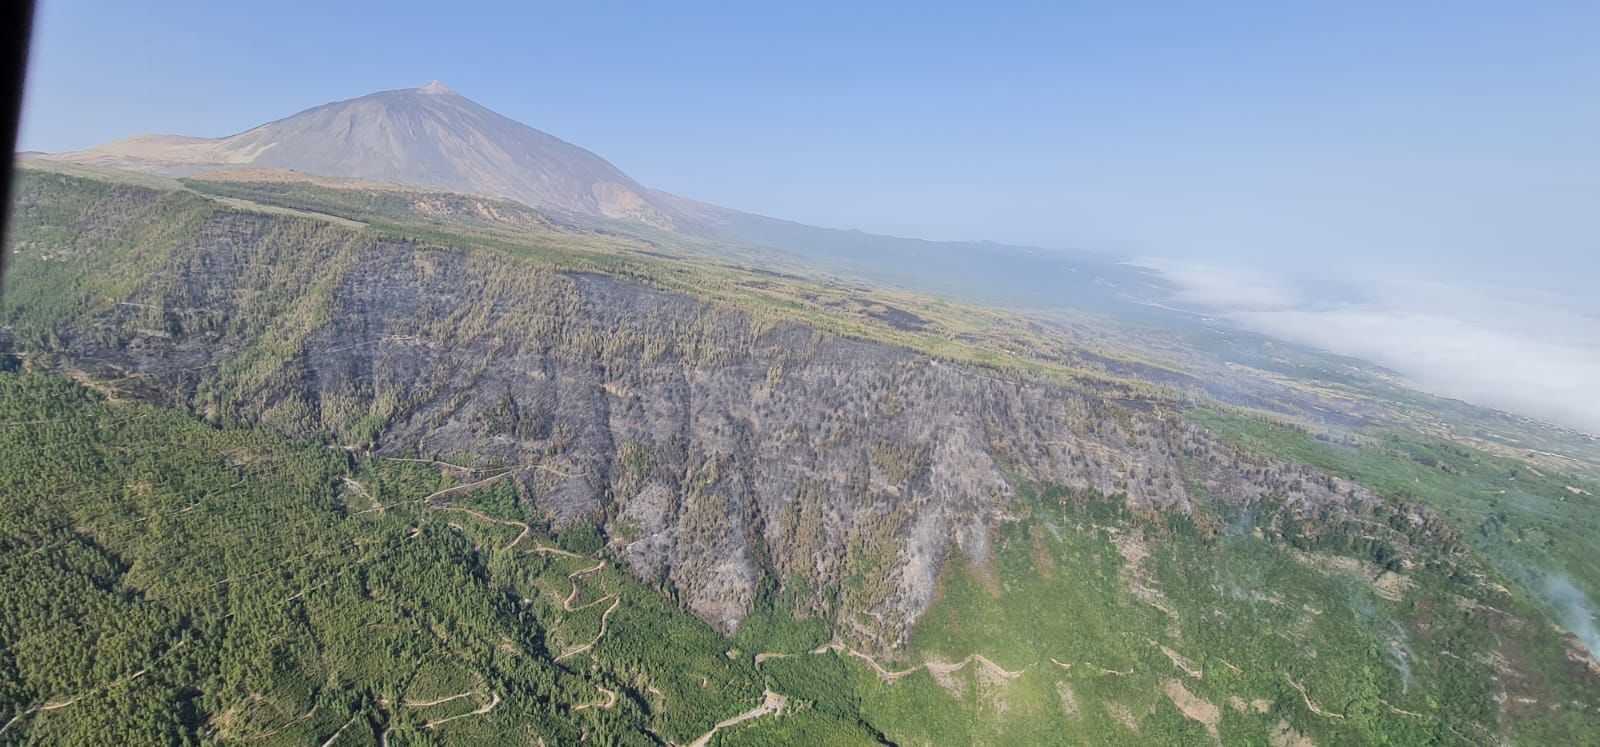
x=609 y=701
x=554 y=551
x=64 y=702
x=1311 y=706
x=526 y=530
x=437 y=701
x=451 y=491
x=604 y=617
x=566 y=604
x=442 y=465
x=471 y=486
x=465 y=470
x=933 y=667
x=494 y=700
x=772 y=704
x=336 y=734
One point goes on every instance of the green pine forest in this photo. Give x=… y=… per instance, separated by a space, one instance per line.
x=172 y=582
x=173 y=576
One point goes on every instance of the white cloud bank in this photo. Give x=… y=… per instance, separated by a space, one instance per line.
x=1509 y=348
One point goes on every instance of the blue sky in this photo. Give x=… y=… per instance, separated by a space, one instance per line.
x=1330 y=143
x=1199 y=129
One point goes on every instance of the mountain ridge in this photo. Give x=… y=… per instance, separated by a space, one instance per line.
x=1152 y=567
x=428 y=136
x=434 y=137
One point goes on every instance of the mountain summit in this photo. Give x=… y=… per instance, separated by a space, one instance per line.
x=429 y=136
x=434 y=137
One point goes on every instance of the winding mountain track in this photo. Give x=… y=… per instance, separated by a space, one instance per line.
x=437 y=701
x=442 y=465
x=56 y=705
x=494 y=701
x=773 y=703
x=431 y=498
x=566 y=604
x=933 y=667
x=604 y=617
x=471 y=486
x=335 y=737
x=1402 y=711
x=52 y=706
x=526 y=530
x=608 y=701
x=1311 y=706
x=554 y=551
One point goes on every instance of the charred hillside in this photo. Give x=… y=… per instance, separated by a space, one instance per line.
x=717 y=447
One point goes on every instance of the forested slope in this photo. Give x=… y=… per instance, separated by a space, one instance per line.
x=170 y=582
x=310 y=479
x=716 y=442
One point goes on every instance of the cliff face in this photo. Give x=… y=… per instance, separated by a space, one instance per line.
x=714 y=445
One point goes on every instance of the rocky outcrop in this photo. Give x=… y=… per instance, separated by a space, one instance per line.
x=713 y=444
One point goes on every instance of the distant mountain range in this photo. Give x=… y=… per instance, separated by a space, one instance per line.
x=433 y=137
